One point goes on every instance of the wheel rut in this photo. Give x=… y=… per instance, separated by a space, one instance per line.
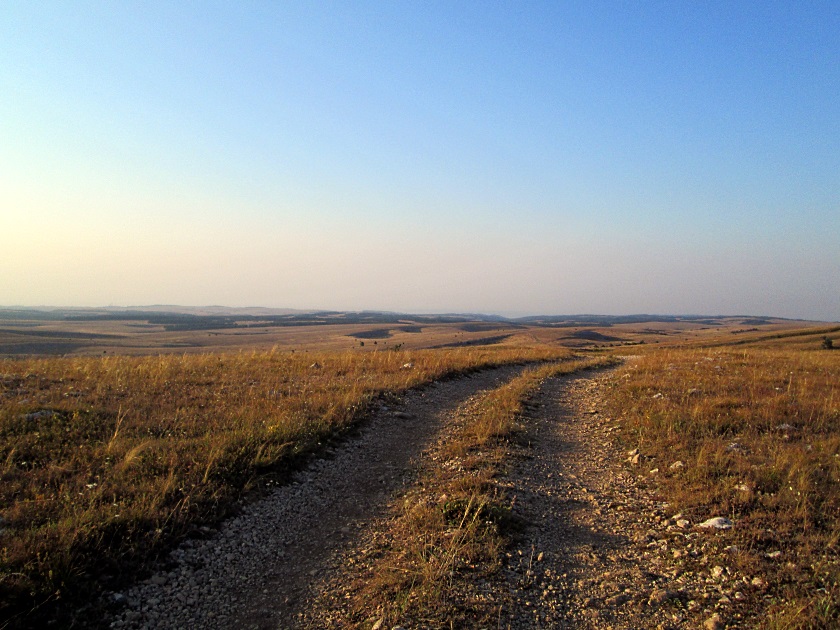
x=596 y=547
x=257 y=570
x=600 y=550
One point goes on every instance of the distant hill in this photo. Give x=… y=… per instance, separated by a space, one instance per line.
x=174 y=317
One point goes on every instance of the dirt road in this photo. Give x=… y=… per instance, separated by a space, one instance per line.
x=597 y=549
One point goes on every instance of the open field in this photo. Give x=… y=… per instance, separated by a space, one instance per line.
x=107 y=461
x=748 y=432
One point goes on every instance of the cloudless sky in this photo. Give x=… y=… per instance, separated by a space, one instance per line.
x=497 y=157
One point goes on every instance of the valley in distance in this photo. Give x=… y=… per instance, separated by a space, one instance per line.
x=52 y=331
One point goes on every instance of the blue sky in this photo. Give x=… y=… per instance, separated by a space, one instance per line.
x=517 y=158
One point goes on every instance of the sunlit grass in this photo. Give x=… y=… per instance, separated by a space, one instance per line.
x=758 y=431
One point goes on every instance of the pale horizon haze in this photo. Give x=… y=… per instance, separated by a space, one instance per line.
x=483 y=157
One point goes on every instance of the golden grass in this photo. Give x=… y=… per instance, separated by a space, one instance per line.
x=759 y=433
x=105 y=461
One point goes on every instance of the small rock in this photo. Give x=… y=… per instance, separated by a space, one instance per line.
x=758 y=582
x=715 y=622
x=718 y=522
x=407 y=366
x=718 y=571
x=677 y=465
x=660 y=595
x=773 y=554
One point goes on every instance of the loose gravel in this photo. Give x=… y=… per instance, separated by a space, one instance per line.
x=601 y=549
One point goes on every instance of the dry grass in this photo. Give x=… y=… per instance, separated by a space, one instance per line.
x=759 y=433
x=106 y=461
x=454 y=521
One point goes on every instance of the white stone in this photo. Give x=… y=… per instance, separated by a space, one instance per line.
x=718 y=522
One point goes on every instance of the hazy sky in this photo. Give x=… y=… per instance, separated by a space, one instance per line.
x=508 y=157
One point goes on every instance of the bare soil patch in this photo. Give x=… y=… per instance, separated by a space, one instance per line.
x=599 y=550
